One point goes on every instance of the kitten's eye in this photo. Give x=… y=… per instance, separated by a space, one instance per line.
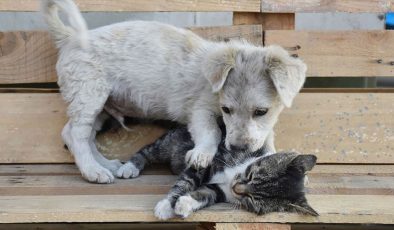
x=260 y=112
x=226 y=110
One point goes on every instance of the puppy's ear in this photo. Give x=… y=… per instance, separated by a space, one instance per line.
x=287 y=73
x=304 y=162
x=217 y=65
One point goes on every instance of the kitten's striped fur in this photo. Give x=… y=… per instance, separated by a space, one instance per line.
x=252 y=181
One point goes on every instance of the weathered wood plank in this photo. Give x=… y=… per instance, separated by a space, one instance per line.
x=251 y=33
x=277 y=21
x=353 y=6
x=341 y=53
x=23 y=185
x=30 y=57
x=71 y=169
x=27 y=57
x=251 y=226
x=368 y=209
x=142 y=5
x=337 y=127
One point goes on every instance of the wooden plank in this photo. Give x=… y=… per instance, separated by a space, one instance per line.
x=23 y=185
x=251 y=33
x=341 y=53
x=352 y=6
x=142 y=5
x=61 y=180
x=277 y=21
x=252 y=226
x=32 y=124
x=369 y=209
x=27 y=57
x=30 y=57
x=71 y=169
x=337 y=127
x=108 y=226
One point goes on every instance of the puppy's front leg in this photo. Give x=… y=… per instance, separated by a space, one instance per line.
x=206 y=135
x=269 y=146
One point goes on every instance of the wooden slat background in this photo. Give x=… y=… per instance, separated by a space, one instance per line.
x=66 y=180
x=353 y=6
x=142 y=5
x=139 y=208
x=30 y=57
x=341 y=53
x=338 y=127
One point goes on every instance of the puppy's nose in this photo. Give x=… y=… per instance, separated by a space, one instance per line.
x=239 y=147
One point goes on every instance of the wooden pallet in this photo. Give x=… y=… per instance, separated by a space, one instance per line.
x=350 y=130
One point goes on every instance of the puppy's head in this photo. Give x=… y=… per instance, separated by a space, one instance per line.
x=254 y=85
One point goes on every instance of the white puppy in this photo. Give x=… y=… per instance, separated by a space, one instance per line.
x=157 y=71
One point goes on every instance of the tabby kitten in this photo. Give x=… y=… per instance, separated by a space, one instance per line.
x=253 y=181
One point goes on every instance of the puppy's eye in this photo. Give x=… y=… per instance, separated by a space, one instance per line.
x=226 y=110
x=260 y=112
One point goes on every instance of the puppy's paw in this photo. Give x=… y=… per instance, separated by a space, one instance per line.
x=128 y=170
x=199 y=159
x=163 y=210
x=96 y=173
x=113 y=165
x=184 y=206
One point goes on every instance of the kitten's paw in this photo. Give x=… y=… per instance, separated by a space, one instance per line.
x=199 y=159
x=184 y=206
x=128 y=170
x=163 y=210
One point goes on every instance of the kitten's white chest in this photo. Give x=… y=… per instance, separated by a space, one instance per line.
x=223 y=179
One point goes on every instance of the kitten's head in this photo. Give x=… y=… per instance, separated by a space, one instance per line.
x=275 y=184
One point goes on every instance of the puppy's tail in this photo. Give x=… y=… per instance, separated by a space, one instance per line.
x=59 y=31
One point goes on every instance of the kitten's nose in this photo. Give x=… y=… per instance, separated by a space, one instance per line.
x=239 y=147
x=240 y=189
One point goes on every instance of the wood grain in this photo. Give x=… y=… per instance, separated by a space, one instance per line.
x=276 y=21
x=369 y=209
x=71 y=170
x=27 y=57
x=341 y=53
x=142 y=5
x=337 y=127
x=43 y=180
x=30 y=57
x=251 y=226
x=352 y=6
x=251 y=33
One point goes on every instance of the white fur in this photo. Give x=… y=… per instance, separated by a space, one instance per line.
x=224 y=179
x=185 y=206
x=128 y=170
x=163 y=210
x=157 y=71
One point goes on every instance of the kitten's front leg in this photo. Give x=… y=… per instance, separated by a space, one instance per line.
x=188 y=181
x=206 y=135
x=203 y=197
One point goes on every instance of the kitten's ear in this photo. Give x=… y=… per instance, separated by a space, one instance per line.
x=304 y=162
x=304 y=208
x=217 y=65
